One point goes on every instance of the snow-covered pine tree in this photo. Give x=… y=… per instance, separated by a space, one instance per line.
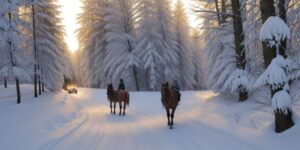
x=199 y=61
x=185 y=50
x=91 y=35
x=12 y=36
x=148 y=46
x=168 y=45
x=273 y=33
x=120 y=61
x=100 y=45
x=3 y=53
x=52 y=55
x=293 y=19
x=219 y=43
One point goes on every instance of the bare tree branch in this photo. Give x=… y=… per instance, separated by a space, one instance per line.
x=214 y=12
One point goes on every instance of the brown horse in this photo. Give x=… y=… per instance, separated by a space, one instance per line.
x=119 y=96
x=170 y=102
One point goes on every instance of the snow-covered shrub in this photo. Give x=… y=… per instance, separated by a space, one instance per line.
x=282 y=101
x=238 y=81
x=278 y=73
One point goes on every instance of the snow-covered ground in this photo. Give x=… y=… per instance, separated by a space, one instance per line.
x=203 y=121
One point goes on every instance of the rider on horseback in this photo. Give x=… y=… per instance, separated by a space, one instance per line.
x=121 y=85
x=176 y=88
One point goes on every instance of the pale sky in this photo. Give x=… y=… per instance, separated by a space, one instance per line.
x=72 y=8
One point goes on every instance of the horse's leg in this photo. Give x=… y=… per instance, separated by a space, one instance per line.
x=111 y=107
x=172 y=117
x=124 y=108
x=120 y=103
x=114 y=107
x=168 y=115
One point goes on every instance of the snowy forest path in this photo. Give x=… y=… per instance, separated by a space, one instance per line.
x=143 y=127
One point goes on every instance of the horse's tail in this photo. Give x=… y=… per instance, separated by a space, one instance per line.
x=127 y=98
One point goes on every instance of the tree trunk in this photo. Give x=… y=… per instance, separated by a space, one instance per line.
x=35 y=53
x=40 y=85
x=282 y=14
x=43 y=86
x=239 y=42
x=136 y=79
x=282 y=121
x=35 y=82
x=5 y=82
x=282 y=9
x=223 y=10
x=18 y=91
x=267 y=10
x=133 y=68
x=42 y=80
x=218 y=12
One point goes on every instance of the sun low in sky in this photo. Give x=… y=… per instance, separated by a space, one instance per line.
x=70 y=9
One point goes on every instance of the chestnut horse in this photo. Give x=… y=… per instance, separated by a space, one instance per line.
x=170 y=102
x=119 y=96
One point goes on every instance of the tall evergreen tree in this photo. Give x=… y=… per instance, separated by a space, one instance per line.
x=120 y=61
x=185 y=51
x=168 y=45
x=52 y=55
x=34 y=50
x=148 y=43
x=12 y=46
x=219 y=45
x=275 y=60
x=92 y=43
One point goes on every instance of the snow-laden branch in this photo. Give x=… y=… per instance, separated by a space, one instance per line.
x=282 y=101
x=14 y=72
x=276 y=73
x=274 y=30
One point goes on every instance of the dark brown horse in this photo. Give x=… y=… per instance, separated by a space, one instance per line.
x=117 y=96
x=170 y=102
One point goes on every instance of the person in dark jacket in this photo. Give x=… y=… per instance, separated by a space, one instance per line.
x=121 y=85
x=176 y=88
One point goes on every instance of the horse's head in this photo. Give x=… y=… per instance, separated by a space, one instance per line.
x=110 y=89
x=164 y=87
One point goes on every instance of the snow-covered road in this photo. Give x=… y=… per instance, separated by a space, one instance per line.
x=202 y=121
x=144 y=127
